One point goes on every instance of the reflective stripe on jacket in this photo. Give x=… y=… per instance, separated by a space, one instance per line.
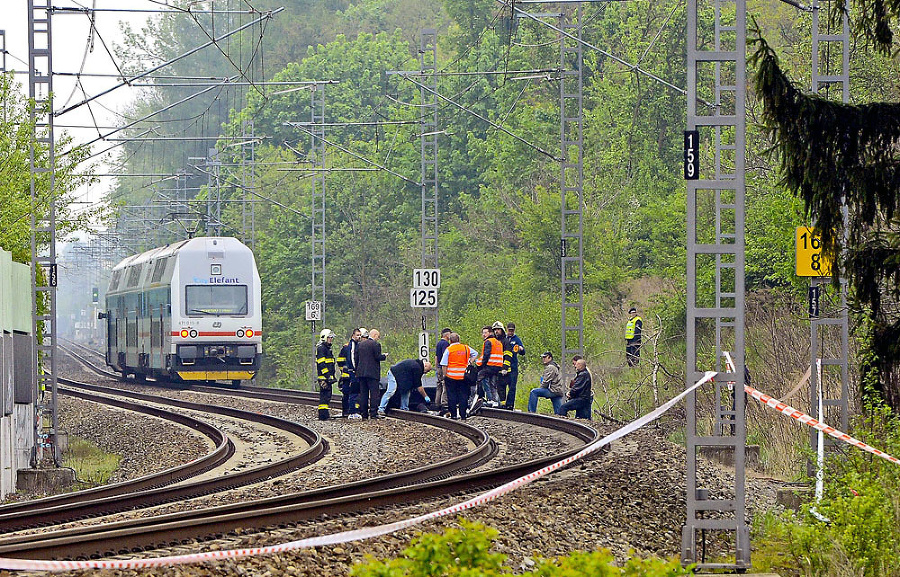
x=494 y=351
x=325 y=365
x=345 y=359
x=507 y=353
x=632 y=329
x=458 y=356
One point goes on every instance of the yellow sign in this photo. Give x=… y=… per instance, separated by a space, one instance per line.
x=810 y=260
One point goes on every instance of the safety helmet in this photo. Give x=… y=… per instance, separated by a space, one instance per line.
x=326 y=333
x=363 y=333
x=497 y=325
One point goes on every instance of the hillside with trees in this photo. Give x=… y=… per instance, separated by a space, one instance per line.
x=498 y=117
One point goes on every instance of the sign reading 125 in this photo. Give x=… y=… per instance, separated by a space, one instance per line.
x=691 y=154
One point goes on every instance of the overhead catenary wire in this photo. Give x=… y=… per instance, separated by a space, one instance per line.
x=621 y=61
x=166 y=63
x=480 y=117
x=241 y=71
x=353 y=154
x=659 y=33
x=88 y=48
x=152 y=114
x=254 y=193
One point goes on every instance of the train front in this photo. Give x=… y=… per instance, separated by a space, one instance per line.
x=216 y=312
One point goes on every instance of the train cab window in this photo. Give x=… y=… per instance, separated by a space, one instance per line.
x=215 y=300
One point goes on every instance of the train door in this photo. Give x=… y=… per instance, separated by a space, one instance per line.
x=156 y=311
x=110 y=333
x=131 y=329
x=121 y=332
x=167 y=330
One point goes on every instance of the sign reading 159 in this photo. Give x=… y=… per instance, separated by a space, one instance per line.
x=810 y=259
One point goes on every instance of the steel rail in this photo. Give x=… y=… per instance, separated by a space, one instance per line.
x=40 y=513
x=224 y=449
x=257 y=515
x=140 y=534
x=80 y=507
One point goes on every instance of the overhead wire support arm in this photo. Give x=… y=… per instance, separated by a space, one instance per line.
x=151 y=115
x=478 y=72
x=150 y=71
x=86 y=10
x=621 y=61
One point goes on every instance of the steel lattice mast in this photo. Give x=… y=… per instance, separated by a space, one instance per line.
x=715 y=246
x=571 y=187
x=428 y=142
x=317 y=157
x=827 y=50
x=42 y=161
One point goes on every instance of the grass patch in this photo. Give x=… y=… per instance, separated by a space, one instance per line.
x=92 y=465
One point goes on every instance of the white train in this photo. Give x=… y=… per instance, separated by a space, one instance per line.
x=189 y=310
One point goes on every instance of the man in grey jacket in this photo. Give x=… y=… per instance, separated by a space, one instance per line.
x=551 y=387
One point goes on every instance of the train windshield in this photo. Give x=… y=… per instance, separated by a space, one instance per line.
x=215 y=300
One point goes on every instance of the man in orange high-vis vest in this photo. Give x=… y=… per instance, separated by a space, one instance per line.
x=454 y=361
x=489 y=365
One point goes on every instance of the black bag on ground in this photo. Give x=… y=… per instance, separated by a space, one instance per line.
x=471 y=375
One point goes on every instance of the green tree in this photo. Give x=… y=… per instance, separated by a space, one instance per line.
x=17 y=137
x=832 y=155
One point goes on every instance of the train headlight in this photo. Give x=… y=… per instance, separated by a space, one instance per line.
x=249 y=333
x=184 y=333
x=240 y=333
x=193 y=334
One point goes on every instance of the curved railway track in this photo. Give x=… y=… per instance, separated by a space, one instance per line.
x=224 y=449
x=154 y=490
x=436 y=480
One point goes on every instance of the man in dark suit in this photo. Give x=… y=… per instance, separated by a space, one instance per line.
x=368 y=372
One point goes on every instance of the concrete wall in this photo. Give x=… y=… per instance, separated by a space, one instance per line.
x=16 y=379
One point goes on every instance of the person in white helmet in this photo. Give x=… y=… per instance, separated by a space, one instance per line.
x=326 y=372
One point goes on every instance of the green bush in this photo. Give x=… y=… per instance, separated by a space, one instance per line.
x=862 y=506
x=466 y=552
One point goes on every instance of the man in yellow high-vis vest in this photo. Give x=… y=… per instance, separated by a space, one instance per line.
x=633 y=338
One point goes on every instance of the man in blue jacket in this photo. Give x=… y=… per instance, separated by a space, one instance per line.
x=404 y=377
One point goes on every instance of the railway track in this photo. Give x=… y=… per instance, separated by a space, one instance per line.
x=223 y=450
x=437 y=480
x=155 y=489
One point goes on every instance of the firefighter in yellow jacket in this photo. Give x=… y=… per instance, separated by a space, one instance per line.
x=326 y=371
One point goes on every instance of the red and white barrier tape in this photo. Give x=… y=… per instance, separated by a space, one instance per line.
x=815 y=424
x=802 y=417
x=356 y=534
